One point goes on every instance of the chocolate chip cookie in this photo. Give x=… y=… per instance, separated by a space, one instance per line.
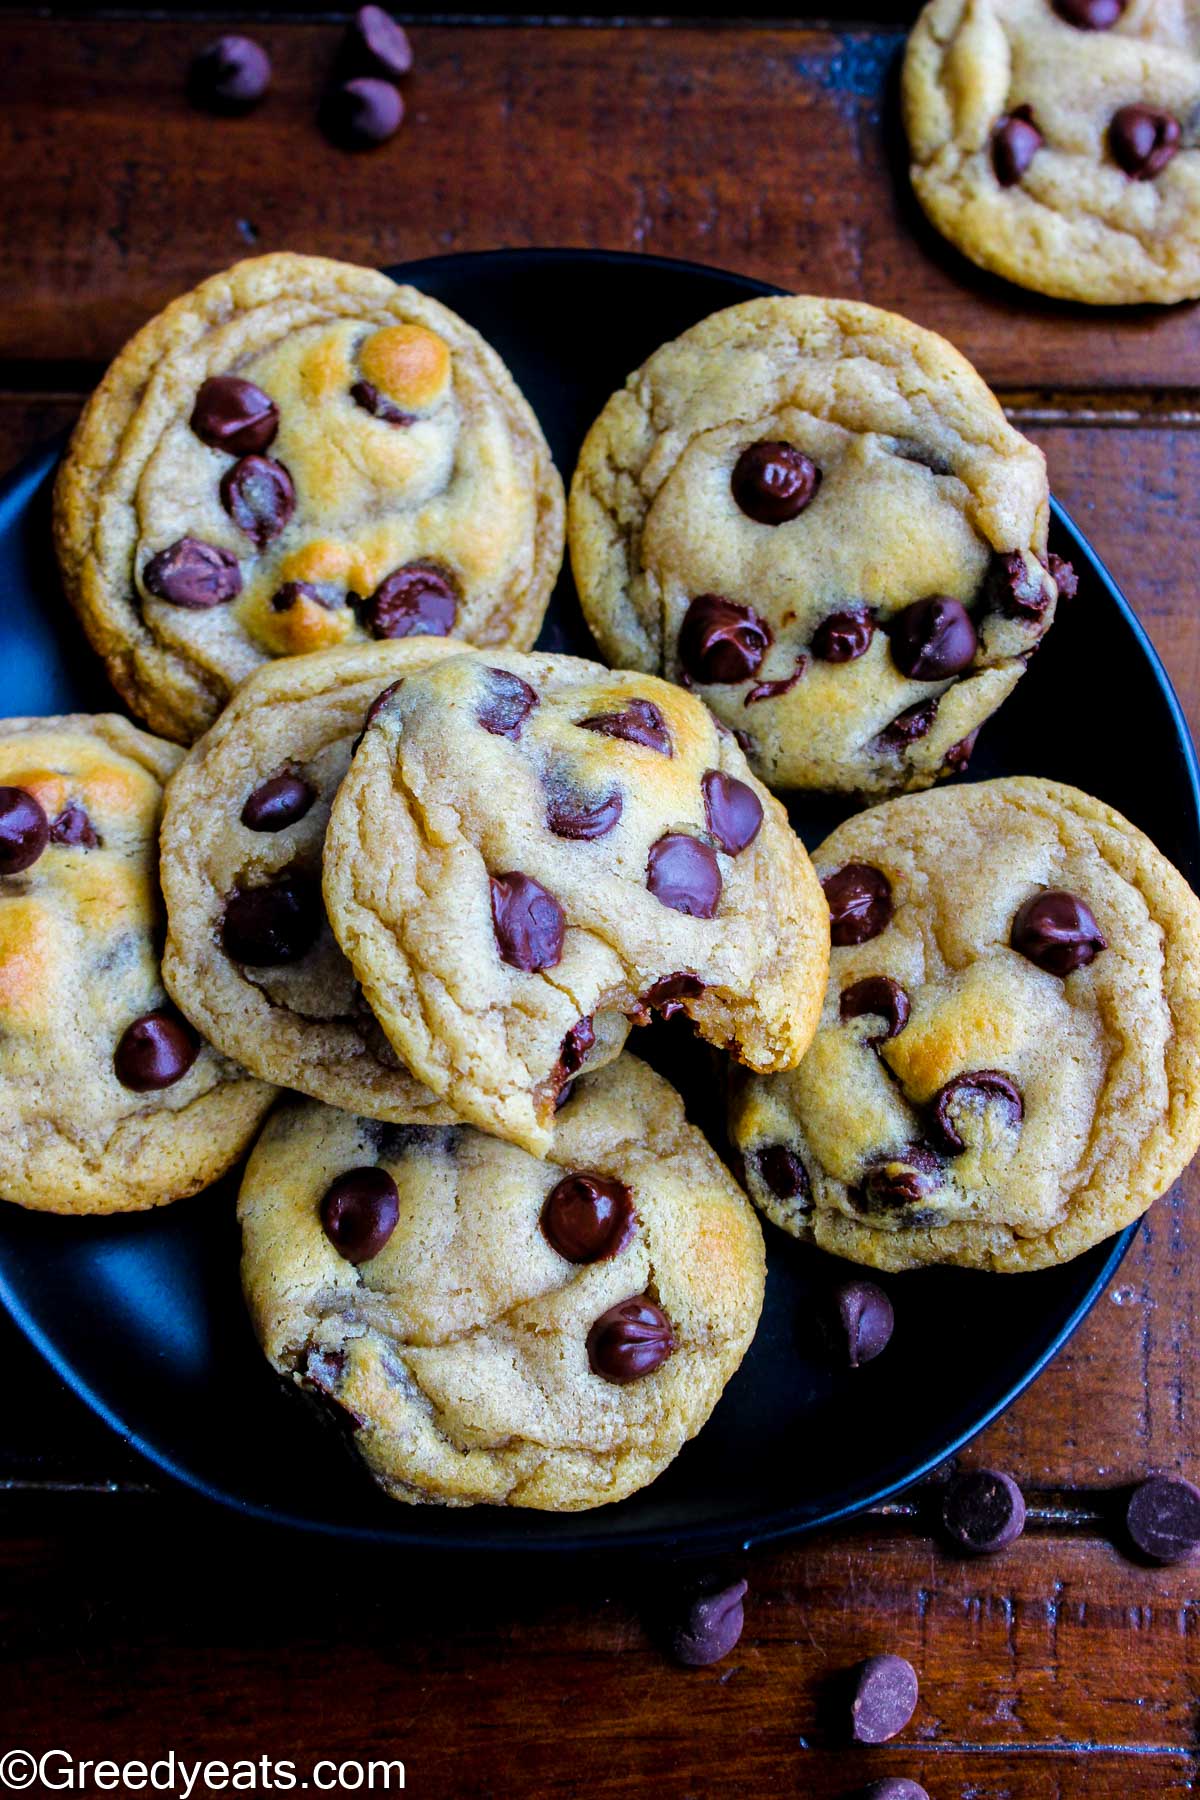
x=498 y=1328
x=1055 y=141
x=1007 y=1068
x=816 y=515
x=527 y=846
x=111 y=1101
x=300 y=454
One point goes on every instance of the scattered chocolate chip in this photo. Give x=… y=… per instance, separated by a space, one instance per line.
x=720 y=641
x=1016 y=140
x=844 y=636
x=683 y=873
x=1057 y=931
x=933 y=638
x=230 y=74
x=733 y=810
x=1064 y=577
x=893 y=1787
x=1015 y=588
x=528 y=921
x=978 y=1087
x=885 y=1698
x=361 y=113
x=156 y=1051
x=771 y=690
x=278 y=803
x=865 y=1321
x=360 y=1211
x=234 y=415
x=368 y=396
x=193 y=574
x=913 y=723
x=710 y=1627
x=24 y=830
x=74 y=829
x=276 y=922
x=903 y=1179
x=1143 y=140
x=1090 y=15
x=588 y=1218
x=1163 y=1518
x=773 y=482
x=958 y=756
x=293 y=592
x=860 y=903
x=575 y=1046
x=506 y=704
x=982 y=1510
x=259 y=497
x=876 y=996
x=630 y=1340
x=376 y=45
x=784 y=1174
x=416 y=601
x=640 y=722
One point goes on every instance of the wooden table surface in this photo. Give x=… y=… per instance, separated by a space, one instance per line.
x=134 y=1621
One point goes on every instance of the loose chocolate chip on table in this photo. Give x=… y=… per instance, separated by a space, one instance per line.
x=902 y=1179
x=710 y=1627
x=913 y=723
x=876 y=996
x=24 y=830
x=666 y=996
x=156 y=1051
x=641 y=722
x=630 y=1340
x=1014 y=588
x=1163 y=1518
x=733 y=810
x=893 y=1787
x=506 y=704
x=860 y=903
x=865 y=1320
x=933 y=638
x=234 y=415
x=278 y=803
x=884 y=1699
x=368 y=396
x=720 y=641
x=571 y=815
x=773 y=482
x=74 y=829
x=771 y=690
x=783 y=1172
x=1057 y=931
x=683 y=873
x=415 y=601
x=276 y=922
x=359 y=1212
x=1064 y=576
x=259 y=497
x=982 y=1510
x=376 y=45
x=980 y=1087
x=528 y=922
x=1016 y=140
x=1090 y=15
x=293 y=592
x=1143 y=140
x=844 y=636
x=230 y=74
x=361 y=113
x=588 y=1218
x=193 y=574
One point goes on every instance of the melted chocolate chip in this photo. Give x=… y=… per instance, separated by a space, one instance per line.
x=589 y=1218
x=784 y=1174
x=361 y=113
x=1090 y=15
x=276 y=922
x=156 y=1051
x=74 y=829
x=1163 y=1518
x=571 y=815
x=911 y=1175
x=733 y=810
x=958 y=756
x=229 y=75
x=720 y=641
x=234 y=415
x=575 y=1047
x=683 y=873
x=1057 y=931
x=640 y=722
x=376 y=707
x=978 y=1087
x=368 y=396
x=860 y=903
x=666 y=996
x=876 y=996
x=884 y=1699
x=193 y=574
x=709 y=1628
x=506 y=703
x=528 y=921
x=1015 y=588
x=259 y=497
x=865 y=1321
x=278 y=803
x=377 y=45
x=933 y=638
x=844 y=636
x=773 y=482
x=359 y=1211
x=1016 y=140
x=1143 y=140
x=24 y=830
x=983 y=1510
x=913 y=723
x=292 y=592
x=1064 y=577
x=416 y=601
x=630 y=1340
x=771 y=690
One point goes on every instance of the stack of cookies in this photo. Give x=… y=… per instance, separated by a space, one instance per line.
x=427 y=880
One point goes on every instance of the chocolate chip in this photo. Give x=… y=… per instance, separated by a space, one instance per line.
x=276 y=922
x=885 y=1698
x=156 y=1051
x=571 y=815
x=977 y=1088
x=506 y=704
x=234 y=415
x=771 y=690
x=1016 y=140
x=1163 y=1518
x=74 y=829
x=1015 y=588
x=376 y=707
x=1057 y=931
x=376 y=45
x=361 y=113
x=259 y=497
x=630 y=1340
x=773 y=482
x=1064 y=577
x=1090 y=15
x=588 y=1218
x=293 y=592
x=720 y=641
x=368 y=396
x=933 y=638
x=359 y=1212
x=860 y=903
x=1143 y=140
x=230 y=74
x=528 y=922
x=683 y=873
x=24 y=830
x=877 y=996
x=844 y=636
x=733 y=810
x=958 y=756
x=902 y=1179
x=784 y=1174
x=640 y=722
x=982 y=1510
x=666 y=996
x=575 y=1046
x=710 y=1627
x=193 y=574
x=913 y=723
x=416 y=601
x=278 y=803
x=865 y=1321
x=893 y=1787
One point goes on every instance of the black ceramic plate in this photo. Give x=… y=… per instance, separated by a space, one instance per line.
x=143 y=1315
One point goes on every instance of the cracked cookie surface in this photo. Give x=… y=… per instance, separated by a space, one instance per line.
x=816 y=515
x=1007 y=1068
x=502 y=1329
x=529 y=850
x=300 y=454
